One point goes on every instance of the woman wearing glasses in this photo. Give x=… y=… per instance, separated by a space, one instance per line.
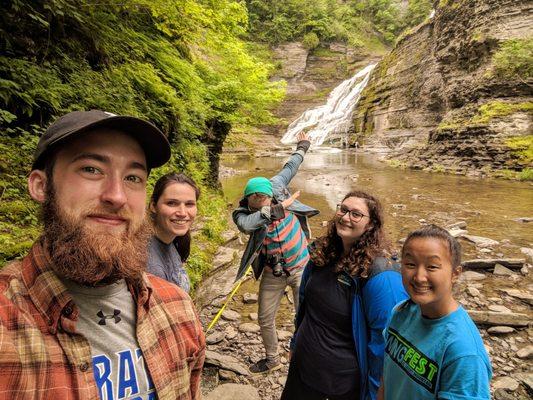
x=173 y=209
x=347 y=292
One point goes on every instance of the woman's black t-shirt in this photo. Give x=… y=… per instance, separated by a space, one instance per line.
x=325 y=350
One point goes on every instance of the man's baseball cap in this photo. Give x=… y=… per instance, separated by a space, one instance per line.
x=152 y=140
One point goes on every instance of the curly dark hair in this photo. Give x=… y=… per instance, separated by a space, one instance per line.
x=327 y=250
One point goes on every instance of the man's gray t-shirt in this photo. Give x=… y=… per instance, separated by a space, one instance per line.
x=108 y=320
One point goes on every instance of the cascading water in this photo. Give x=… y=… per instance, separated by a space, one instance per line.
x=335 y=117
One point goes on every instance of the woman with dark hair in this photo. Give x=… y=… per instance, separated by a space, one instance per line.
x=348 y=290
x=173 y=209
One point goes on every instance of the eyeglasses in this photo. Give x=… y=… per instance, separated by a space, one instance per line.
x=355 y=216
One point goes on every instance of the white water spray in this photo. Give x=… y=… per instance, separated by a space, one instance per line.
x=333 y=118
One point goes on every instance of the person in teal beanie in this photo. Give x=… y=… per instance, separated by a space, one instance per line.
x=277 y=247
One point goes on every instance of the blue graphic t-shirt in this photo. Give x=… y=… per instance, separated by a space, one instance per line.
x=434 y=358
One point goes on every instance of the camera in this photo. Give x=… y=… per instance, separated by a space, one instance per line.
x=276 y=262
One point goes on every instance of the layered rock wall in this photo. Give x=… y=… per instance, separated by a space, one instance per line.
x=435 y=100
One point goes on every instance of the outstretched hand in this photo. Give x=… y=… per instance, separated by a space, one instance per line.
x=302 y=135
x=287 y=202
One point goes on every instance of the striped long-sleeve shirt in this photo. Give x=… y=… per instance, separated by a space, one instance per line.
x=285 y=237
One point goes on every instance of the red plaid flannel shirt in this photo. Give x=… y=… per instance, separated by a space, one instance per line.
x=42 y=357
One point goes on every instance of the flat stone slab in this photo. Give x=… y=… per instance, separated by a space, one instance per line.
x=500 y=270
x=230 y=315
x=225 y=362
x=499 y=308
x=525 y=353
x=224 y=256
x=249 y=327
x=215 y=337
x=495 y=318
x=524 y=296
x=233 y=391
x=500 y=330
x=489 y=263
x=526 y=378
x=481 y=241
x=472 y=276
x=505 y=382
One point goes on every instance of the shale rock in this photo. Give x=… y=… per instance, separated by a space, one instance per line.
x=233 y=391
x=225 y=362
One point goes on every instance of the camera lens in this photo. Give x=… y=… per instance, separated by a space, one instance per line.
x=277 y=270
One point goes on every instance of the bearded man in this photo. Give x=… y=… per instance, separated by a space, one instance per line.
x=79 y=317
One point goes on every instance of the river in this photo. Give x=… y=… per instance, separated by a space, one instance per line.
x=490 y=207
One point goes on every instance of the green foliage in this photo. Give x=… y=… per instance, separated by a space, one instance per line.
x=525 y=175
x=522 y=146
x=514 y=59
x=182 y=65
x=311 y=40
x=495 y=109
x=358 y=22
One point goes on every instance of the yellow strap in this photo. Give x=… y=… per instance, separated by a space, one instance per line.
x=237 y=286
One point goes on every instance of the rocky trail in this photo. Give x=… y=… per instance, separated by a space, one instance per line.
x=497 y=292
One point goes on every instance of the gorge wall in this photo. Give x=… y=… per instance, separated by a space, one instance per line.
x=440 y=100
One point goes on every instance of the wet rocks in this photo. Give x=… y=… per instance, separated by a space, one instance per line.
x=215 y=337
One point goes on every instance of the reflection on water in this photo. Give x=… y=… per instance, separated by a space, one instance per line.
x=488 y=206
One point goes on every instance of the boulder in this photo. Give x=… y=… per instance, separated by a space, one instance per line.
x=527 y=380
x=528 y=252
x=233 y=391
x=225 y=362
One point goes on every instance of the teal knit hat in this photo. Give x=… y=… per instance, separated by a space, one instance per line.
x=258 y=185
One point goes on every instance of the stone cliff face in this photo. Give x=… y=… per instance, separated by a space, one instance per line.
x=436 y=102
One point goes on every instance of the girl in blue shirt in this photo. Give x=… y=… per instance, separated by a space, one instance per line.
x=433 y=350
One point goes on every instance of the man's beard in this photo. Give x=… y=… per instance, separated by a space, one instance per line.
x=89 y=257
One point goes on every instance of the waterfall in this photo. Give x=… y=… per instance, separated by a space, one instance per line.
x=335 y=117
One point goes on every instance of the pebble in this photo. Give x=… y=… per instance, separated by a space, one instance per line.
x=500 y=270
x=253 y=316
x=215 y=337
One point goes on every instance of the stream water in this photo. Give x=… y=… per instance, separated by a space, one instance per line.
x=488 y=206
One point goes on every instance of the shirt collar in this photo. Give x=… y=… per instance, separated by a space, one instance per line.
x=50 y=295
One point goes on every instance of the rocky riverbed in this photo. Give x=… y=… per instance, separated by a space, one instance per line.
x=497 y=292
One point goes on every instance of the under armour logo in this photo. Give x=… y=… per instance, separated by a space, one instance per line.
x=103 y=317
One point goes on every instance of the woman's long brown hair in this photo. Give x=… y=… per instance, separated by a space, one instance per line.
x=372 y=243
x=183 y=243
